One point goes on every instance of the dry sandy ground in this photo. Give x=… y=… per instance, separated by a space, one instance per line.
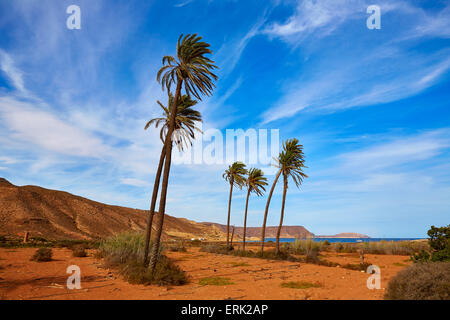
x=259 y=279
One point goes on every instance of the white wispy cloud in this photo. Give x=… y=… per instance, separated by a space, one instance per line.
x=15 y=75
x=369 y=72
x=182 y=3
x=310 y=16
x=405 y=150
x=134 y=182
x=46 y=131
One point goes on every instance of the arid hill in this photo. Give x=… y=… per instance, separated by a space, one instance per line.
x=271 y=232
x=60 y=215
x=346 y=235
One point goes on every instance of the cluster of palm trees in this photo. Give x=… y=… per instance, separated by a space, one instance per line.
x=192 y=71
x=290 y=163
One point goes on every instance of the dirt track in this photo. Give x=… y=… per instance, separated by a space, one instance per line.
x=259 y=279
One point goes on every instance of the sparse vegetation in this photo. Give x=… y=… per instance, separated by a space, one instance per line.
x=126 y=252
x=421 y=281
x=238 y=264
x=42 y=255
x=39 y=242
x=166 y=273
x=79 y=251
x=398 y=264
x=304 y=247
x=405 y=248
x=122 y=248
x=216 y=248
x=439 y=246
x=356 y=266
x=270 y=255
x=177 y=247
x=300 y=285
x=215 y=281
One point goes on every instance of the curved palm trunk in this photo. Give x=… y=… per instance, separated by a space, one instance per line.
x=153 y=204
x=232 y=236
x=229 y=213
x=277 y=251
x=267 y=211
x=165 y=182
x=245 y=218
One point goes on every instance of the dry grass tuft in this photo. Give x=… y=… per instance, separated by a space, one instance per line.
x=421 y=281
x=300 y=285
x=42 y=255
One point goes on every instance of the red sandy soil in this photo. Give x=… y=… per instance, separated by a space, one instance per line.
x=21 y=278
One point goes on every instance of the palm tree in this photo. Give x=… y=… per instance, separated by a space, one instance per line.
x=291 y=163
x=194 y=70
x=291 y=148
x=185 y=125
x=256 y=183
x=235 y=177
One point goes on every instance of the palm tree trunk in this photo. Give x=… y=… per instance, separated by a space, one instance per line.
x=245 y=218
x=229 y=212
x=277 y=251
x=267 y=211
x=232 y=236
x=165 y=182
x=153 y=204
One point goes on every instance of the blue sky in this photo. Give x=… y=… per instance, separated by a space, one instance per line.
x=371 y=107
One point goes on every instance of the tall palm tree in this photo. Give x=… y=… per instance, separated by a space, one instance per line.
x=193 y=70
x=235 y=175
x=185 y=121
x=256 y=183
x=185 y=126
x=289 y=147
x=291 y=163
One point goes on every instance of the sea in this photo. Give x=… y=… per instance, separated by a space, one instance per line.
x=346 y=239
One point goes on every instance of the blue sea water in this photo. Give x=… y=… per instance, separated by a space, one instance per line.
x=346 y=239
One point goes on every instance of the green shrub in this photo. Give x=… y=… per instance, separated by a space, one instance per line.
x=122 y=248
x=125 y=251
x=166 y=273
x=440 y=243
x=177 y=247
x=238 y=264
x=422 y=256
x=304 y=247
x=42 y=255
x=422 y=281
x=300 y=285
x=356 y=266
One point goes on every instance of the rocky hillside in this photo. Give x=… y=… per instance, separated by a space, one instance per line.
x=346 y=235
x=60 y=215
x=271 y=232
